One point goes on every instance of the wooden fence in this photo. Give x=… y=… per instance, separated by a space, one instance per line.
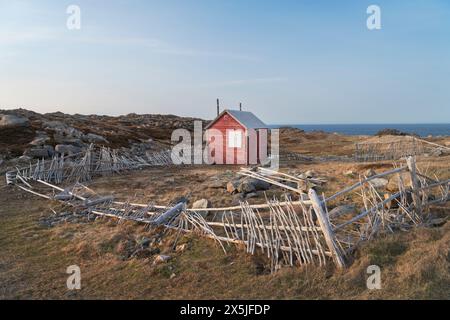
x=289 y=232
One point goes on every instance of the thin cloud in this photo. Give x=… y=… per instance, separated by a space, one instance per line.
x=154 y=45
x=244 y=82
x=11 y=38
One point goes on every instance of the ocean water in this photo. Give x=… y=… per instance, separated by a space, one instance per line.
x=422 y=129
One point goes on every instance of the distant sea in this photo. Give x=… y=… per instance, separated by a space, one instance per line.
x=422 y=129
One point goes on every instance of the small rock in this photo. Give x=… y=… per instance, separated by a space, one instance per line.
x=161 y=259
x=379 y=183
x=369 y=173
x=173 y=275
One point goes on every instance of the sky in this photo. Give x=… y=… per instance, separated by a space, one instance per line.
x=310 y=62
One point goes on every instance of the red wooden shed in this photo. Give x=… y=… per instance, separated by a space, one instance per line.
x=236 y=137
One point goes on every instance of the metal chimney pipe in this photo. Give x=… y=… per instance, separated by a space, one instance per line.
x=240 y=106
x=218 y=107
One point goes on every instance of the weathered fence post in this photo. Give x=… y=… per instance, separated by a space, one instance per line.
x=328 y=233
x=411 y=163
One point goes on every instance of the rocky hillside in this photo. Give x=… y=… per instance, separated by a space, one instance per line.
x=28 y=134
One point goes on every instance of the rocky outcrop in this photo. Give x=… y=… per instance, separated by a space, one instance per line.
x=11 y=121
x=94 y=138
x=67 y=149
x=45 y=151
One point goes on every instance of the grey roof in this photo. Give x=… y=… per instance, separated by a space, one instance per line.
x=246 y=118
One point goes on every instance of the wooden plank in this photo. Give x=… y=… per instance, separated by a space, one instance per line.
x=326 y=229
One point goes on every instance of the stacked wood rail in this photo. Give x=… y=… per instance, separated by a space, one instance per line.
x=83 y=166
x=288 y=232
x=407 y=146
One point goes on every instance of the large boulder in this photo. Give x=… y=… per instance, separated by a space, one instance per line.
x=379 y=183
x=202 y=204
x=94 y=138
x=10 y=121
x=67 y=149
x=393 y=183
x=232 y=186
x=251 y=185
x=40 y=152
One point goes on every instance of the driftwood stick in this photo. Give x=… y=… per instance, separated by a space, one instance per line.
x=170 y=214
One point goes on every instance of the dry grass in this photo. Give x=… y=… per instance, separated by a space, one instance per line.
x=33 y=259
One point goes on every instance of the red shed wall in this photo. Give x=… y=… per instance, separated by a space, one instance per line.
x=234 y=155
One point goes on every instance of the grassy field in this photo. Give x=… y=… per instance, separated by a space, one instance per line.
x=34 y=258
